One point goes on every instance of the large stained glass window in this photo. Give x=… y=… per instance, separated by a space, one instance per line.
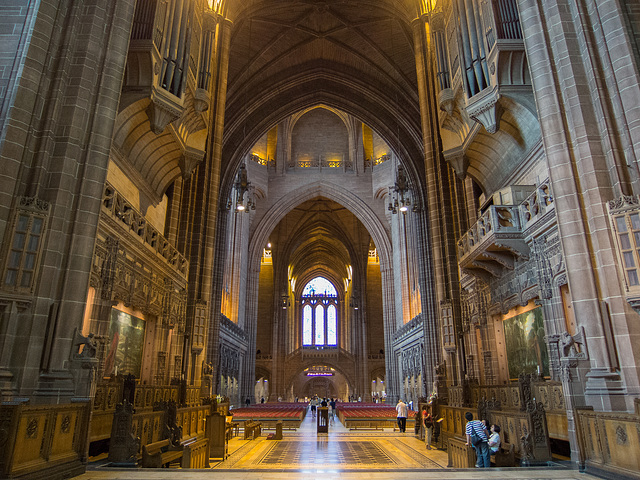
x=319 y=325
x=319 y=286
x=307 y=325
x=319 y=313
x=332 y=325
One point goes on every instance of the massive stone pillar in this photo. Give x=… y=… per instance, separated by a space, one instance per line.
x=209 y=271
x=54 y=163
x=445 y=287
x=592 y=148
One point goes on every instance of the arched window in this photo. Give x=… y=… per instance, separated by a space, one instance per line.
x=319 y=313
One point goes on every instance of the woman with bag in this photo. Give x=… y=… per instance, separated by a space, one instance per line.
x=428 y=427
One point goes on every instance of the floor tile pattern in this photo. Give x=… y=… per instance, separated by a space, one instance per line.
x=361 y=452
x=339 y=455
x=335 y=452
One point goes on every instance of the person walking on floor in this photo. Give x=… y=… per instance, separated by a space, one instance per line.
x=402 y=410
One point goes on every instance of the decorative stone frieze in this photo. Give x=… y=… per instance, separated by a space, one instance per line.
x=233 y=330
x=408 y=329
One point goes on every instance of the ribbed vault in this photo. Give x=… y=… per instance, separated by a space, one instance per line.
x=357 y=57
x=294 y=199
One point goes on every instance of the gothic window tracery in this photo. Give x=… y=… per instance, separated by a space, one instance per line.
x=319 y=304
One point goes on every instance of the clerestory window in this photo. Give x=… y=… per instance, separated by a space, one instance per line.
x=319 y=313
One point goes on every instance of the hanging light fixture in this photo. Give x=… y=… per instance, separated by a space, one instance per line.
x=244 y=201
x=284 y=301
x=399 y=193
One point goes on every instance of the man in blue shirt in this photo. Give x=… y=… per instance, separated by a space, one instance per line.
x=483 y=453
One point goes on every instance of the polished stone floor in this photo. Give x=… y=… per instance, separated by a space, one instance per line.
x=340 y=454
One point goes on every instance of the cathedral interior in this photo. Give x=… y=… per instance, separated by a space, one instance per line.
x=269 y=200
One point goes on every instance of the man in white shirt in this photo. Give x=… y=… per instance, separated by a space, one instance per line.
x=402 y=410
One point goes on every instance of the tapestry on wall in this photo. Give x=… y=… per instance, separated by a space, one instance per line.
x=125 y=350
x=524 y=340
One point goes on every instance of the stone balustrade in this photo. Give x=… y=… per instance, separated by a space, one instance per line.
x=117 y=207
x=536 y=205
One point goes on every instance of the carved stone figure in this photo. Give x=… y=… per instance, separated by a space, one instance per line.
x=90 y=345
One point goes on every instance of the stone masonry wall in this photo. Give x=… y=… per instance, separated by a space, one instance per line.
x=16 y=24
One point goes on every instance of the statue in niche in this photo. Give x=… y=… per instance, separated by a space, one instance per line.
x=89 y=344
x=571 y=346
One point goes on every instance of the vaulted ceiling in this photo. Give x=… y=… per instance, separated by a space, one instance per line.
x=321 y=236
x=357 y=56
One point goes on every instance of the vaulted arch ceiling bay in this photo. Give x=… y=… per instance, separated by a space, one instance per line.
x=353 y=56
x=320 y=236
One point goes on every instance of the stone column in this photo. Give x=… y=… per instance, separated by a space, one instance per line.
x=284 y=146
x=211 y=266
x=59 y=156
x=391 y=367
x=440 y=215
x=247 y=381
x=585 y=171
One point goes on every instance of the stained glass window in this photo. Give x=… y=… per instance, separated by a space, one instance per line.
x=319 y=313
x=307 y=325
x=332 y=326
x=319 y=286
x=319 y=325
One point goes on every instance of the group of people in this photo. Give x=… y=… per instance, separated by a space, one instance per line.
x=323 y=402
x=484 y=443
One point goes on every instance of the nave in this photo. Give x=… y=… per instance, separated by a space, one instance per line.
x=340 y=454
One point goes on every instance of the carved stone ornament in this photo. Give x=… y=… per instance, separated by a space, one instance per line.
x=485 y=111
x=162 y=111
x=34 y=203
x=624 y=203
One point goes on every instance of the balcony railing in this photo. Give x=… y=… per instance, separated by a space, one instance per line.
x=496 y=220
x=117 y=207
x=536 y=205
x=494 y=243
x=321 y=162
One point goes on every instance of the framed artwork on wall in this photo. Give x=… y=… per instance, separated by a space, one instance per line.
x=525 y=345
x=124 y=354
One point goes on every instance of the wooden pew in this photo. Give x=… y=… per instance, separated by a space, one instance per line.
x=153 y=455
x=196 y=454
x=252 y=430
x=460 y=454
x=506 y=456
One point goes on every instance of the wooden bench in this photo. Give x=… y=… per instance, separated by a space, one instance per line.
x=460 y=454
x=158 y=454
x=252 y=430
x=506 y=456
x=196 y=453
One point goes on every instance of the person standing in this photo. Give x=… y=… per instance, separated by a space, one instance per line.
x=477 y=430
x=428 y=427
x=402 y=410
x=313 y=407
